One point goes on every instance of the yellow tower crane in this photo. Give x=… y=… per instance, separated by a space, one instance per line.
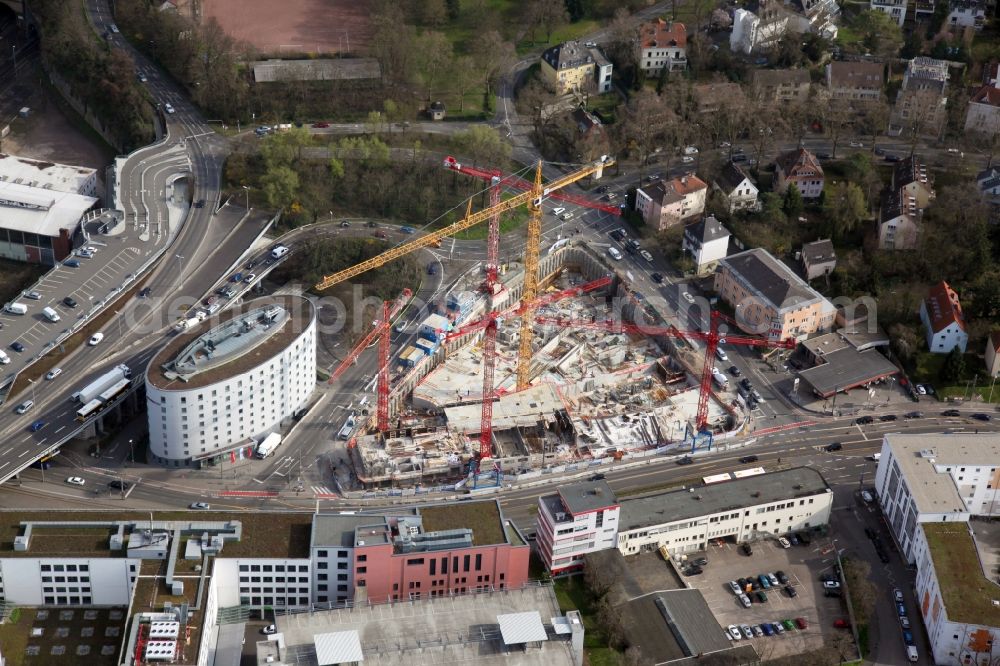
x=533 y=198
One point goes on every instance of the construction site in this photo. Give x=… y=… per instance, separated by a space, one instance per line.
x=548 y=362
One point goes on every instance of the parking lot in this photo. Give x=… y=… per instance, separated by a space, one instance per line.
x=803 y=566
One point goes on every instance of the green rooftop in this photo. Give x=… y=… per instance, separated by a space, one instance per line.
x=967 y=594
x=483 y=518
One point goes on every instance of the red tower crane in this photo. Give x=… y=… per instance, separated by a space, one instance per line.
x=522 y=184
x=488 y=324
x=379 y=330
x=711 y=339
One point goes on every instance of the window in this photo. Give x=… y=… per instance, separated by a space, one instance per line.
x=416 y=561
x=479 y=562
x=465 y=563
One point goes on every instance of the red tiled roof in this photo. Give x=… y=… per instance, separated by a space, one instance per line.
x=995 y=340
x=986 y=95
x=943 y=307
x=662 y=33
x=791 y=162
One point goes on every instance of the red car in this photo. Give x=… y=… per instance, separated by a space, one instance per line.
x=800 y=622
x=379 y=234
x=321 y=124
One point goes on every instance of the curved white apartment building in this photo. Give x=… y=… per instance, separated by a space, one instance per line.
x=231 y=379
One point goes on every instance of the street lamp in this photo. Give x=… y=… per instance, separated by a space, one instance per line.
x=182 y=263
x=131 y=452
x=32 y=382
x=246 y=191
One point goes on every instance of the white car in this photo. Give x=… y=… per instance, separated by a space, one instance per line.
x=690 y=150
x=721 y=354
x=920 y=389
x=857 y=144
x=687 y=159
x=867 y=497
x=734 y=631
x=168 y=108
x=558 y=211
x=771 y=578
x=745 y=600
x=95 y=339
x=113 y=28
x=757 y=631
x=53 y=373
x=688 y=297
x=897 y=594
x=646 y=255
x=735 y=587
x=784 y=542
x=269 y=629
x=747 y=633
x=250 y=278
x=142 y=78
x=203 y=506
x=75 y=481
x=904 y=622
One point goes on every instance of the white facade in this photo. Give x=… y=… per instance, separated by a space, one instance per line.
x=896 y=9
x=708 y=253
x=745 y=523
x=259 y=582
x=48 y=175
x=67 y=581
x=565 y=536
x=193 y=423
x=712 y=245
x=944 y=340
x=966 y=14
x=751 y=33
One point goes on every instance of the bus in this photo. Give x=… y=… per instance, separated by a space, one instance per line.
x=114 y=391
x=89 y=410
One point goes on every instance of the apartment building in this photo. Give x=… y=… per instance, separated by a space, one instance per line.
x=758 y=26
x=577 y=519
x=665 y=203
x=572 y=67
x=929 y=487
x=739 y=509
x=896 y=9
x=921 y=103
x=662 y=44
x=857 y=81
x=707 y=241
x=781 y=85
x=769 y=298
x=944 y=323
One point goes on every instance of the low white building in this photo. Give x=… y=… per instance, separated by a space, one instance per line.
x=929 y=486
x=896 y=9
x=966 y=14
x=579 y=518
x=49 y=175
x=742 y=509
x=707 y=241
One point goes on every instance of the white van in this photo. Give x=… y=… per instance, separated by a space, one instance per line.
x=4 y=359
x=911 y=653
x=17 y=308
x=50 y=314
x=614 y=253
x=278 y=252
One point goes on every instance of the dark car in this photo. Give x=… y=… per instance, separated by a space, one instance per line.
x=913 y=415
x=371 y=224
x=760 y=596
x=782 y=578
x=250 y=265
x=700 y=562
x=951 y=412
x=746 y=384
x=834 y=446
x=746 y=549
x=870 y=533
x=657 y=278
x=893 y=158
x=825 y=156
x=694 y=571
x=832 y=593
x=734 y=371
x=597 y=477
x=790 y=591
x=69 y=302
x=882 y=555
x=864 y=420
x=686 y=460
x=979 y=416
x=36 y=426
x=119 y=485
x=200 y=203
x=748 y=459
x=432 y=268
x=804 y=538
x=321 y=125
x=17 y=346
x=146 y=291
x=71 y=263
x=887 y=417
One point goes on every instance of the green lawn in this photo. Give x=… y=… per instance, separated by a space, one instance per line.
x=572 y=595
x=564 y=33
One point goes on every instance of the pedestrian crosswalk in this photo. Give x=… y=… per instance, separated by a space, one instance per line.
x=322 y=490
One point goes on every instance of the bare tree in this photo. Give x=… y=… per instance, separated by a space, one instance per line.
x=598 y=579
x=492 y=55
x=611 y=619
x=647 y=126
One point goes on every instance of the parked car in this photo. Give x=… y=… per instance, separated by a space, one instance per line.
x=951 y=412
x=745 y=601
x=746 y=384
x=657 y=278
x=778 y=628
x=900 y=609
x=781 y=576
x=832 y=593
x=687 y=297
x=694 y=571
x=787 y=624
x=864 y=420
x=748 y=459
x=747 y=633
x=867 y=497
x=897 y=595
x=734 y=371
x=687 y=159
x=804 y=538
x=269 y=629
x=69 y=302
x=33 y=295
x=920 y=389
x=801 y=623
x=831 y=585
x=785 y=543
x=72 y=263
x=841 y=623
x=17 y=346
x=904 y=622
x=735 y=587
x=734 y=632
x=757 y=631
x=746 y=549
x=790 y=591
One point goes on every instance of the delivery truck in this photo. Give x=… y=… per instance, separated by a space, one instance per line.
x=102 y=384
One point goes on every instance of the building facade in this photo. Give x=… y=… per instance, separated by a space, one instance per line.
x=665 y=203
x=855 y=81
x=573 y=68
x=921 y=103
x=818 y=259
x=736 y=189
x=740 y=510
x=898 y=222
x=707 y=241
x=992 y=355
x=579 y=518
x=758 y=28
x=941 y=315
x=983 y=114
x=769 y=298
x=662 y=44
x=781 y=85
x=213 y=390
x=895 y=9
x=801 y=168
x=966 y=14
x=37 y=224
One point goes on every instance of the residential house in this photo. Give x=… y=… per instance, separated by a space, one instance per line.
x=707 y=241
x=662 y=44
x=758 y=27
x=781 y=85
x=898 y=222
x=818 y=258
x=966 y=14
x=710 y=97
x=983 y=113
x=769 y=298
x=736 y=188
x=857 y=81
x=911 y=177
x=896 y=9
x=921 y=103
x=571 y=67
x=816 y=16
x=941 y=314
x=993 y=354
x=801 y=168
x=665 y=203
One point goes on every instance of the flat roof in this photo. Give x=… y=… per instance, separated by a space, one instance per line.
x=923 y=459
x=43 y=174
x=847 y=368
x=968 y=595
x=524 y=627
x=36 y=210
x=675 y=505
x=484 y=518
x=461 y=629
x=301 y=313
x=338 y=647
x=771 y=279
x=523 y=408
x=328 y=69
x=579 y=498
x=337 y=530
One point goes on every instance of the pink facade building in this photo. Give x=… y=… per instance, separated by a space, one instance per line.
x=436 y=551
